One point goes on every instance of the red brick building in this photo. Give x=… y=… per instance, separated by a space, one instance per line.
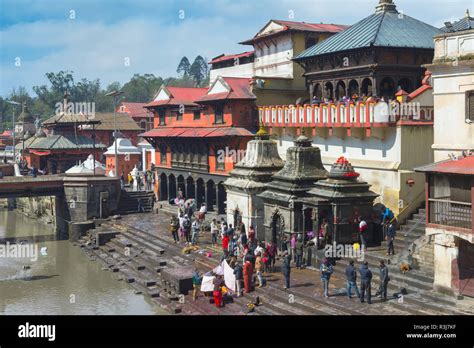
x=199 y=134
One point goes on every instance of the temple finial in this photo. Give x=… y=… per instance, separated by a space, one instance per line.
x=386 y=6
x=262 y=133
x=467 y=13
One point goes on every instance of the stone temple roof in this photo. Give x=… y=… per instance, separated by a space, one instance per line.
x=302 y=168
x=261 y=161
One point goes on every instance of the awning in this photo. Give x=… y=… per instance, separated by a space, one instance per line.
x=461 y=166
x=204 y=132
x=40 y=153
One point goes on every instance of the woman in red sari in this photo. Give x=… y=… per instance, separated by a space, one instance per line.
x=248 y=273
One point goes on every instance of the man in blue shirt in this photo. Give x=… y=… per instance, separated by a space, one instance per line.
x=326 y=271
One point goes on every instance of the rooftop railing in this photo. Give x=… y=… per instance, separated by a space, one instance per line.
x=360 y=114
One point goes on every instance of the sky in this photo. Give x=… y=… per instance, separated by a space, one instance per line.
x=114 y=39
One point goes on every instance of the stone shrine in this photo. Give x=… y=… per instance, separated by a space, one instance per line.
x=249 y=179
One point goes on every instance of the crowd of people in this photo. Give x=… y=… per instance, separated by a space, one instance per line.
x=347 y=100
x=145 y=180
x=253 y=260
x=366 y=276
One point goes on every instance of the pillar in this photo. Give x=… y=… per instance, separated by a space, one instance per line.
x=446 y=272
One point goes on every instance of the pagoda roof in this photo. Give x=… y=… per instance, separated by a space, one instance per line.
x=60 y=142
x=385 y=28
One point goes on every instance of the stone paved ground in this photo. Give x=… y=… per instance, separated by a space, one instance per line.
x=304 y=296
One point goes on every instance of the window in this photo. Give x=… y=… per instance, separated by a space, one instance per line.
x=470 y=106
x=143 y=124
x=197 y=115
x=163 y=154
x=310 y=42
x=219 y=112
x=220 y=159
x=162 y=116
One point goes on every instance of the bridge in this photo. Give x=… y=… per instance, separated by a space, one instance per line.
x=80 y=200
x=28 y=186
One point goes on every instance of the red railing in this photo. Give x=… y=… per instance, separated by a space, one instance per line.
x=339 y=115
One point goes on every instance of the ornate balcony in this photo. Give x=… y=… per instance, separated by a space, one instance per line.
x=360 y=115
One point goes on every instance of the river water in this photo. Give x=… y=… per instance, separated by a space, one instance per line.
x=63 y=281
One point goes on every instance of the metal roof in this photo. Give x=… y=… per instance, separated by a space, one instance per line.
x=462 y=166
x=465 y=23
x=382 y=29
x=61 y=142
x=197 y=132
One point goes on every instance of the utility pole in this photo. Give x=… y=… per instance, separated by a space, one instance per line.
x=12 y=102
x=116 y=95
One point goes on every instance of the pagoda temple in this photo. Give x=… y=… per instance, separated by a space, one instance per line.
x=248 y=180
x=374 y=57
x=282 y=205
x=341 y=199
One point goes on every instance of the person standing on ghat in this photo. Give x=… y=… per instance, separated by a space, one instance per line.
x=174 y=226
x=384 y=279
x=214 y=231
x=326 y=271
x=365 y=282
x=351 y=276
x=286 y=268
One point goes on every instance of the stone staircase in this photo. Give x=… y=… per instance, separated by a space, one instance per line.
x=128 y=203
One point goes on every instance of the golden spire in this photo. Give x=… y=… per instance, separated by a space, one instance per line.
x=262 y=133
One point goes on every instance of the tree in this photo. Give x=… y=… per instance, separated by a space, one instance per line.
x=184 y=67
x=199 y=70
x=141 y=88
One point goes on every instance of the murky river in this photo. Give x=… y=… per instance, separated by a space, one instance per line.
x=62 y=280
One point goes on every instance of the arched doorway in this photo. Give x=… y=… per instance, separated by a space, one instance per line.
x=277 y=226
x=340 y=90
x=406 y=85
x=221 y=198
x=181 y=186
x=172 y=187
x=200 y=192
x=329 y=88
x=366 y=88
x=210 y=195
x=318 y=91
x=190 y=188
x=163 y=188
x=387 y=87
x=353 y=88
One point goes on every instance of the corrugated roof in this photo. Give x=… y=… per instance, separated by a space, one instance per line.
x=124 y=122
x=383 y=29
x=295 y=26
x=66 y=118
x=180 y=96
x=61 y=142
x=136 y=109
x=223 y=58
x=193 y=132
x=462 y=166
x=465 y=23
x=239 y=88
